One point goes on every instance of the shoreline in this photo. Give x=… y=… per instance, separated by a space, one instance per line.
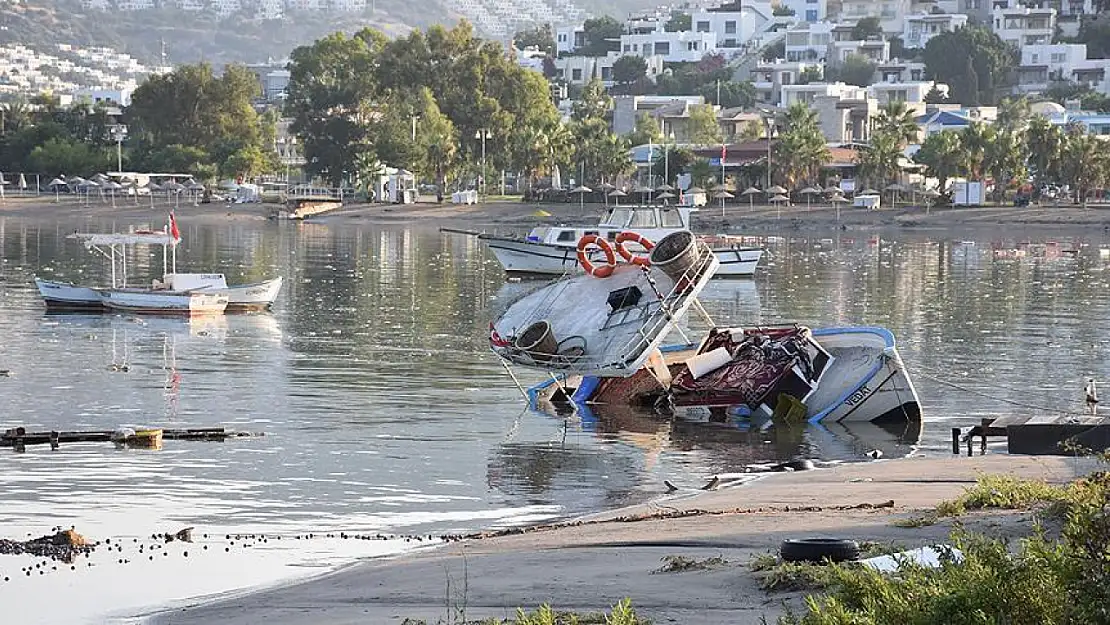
x=506 y=215
x=590 y=563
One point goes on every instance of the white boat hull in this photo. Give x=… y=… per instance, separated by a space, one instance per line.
x=243 y=298
x=163 y=302
x=865 y=382
x=64 y=296
x=530 y=257
x=250 y=297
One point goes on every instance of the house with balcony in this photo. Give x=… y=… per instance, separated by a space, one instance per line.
x=1043 y=65
x=808 y=94
x=808 y=11
x=875 y=50
x=911 y=93
x=919 y=29
x=808 y=42
x=891 y=13
x=627 y=109
x=1024 y=26
x=569 y=38
x=769 y=79
x=729 y=26
x=578 y=70
x=896 y=71
x=1069 y=13
x=673 y=47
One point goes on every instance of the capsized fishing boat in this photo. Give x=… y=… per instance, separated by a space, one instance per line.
x=600 y=337
x=827 y=375
x=610 y=320
x=113 y=246
x=555 y=250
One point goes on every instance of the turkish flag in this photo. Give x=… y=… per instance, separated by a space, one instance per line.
x=723 y=153
x=173 y=228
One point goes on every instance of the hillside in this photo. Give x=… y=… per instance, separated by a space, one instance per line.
x=243 y=35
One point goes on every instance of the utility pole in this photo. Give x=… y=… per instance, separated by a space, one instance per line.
x=414 y=118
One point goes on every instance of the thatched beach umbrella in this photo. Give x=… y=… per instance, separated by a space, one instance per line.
x=644 y=192
x=809 y=192
x=581 y=190
x=664 y=187
x=57 y=185
x=837 y=200
x=617 y=194
x=894 y=189
x=751 y=192
x=723 y=195
x=776 y=190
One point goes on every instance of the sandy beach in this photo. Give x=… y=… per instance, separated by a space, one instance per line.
x=588 y=565
x=510 y=214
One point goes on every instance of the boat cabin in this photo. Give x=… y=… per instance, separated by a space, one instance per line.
x=653 y=222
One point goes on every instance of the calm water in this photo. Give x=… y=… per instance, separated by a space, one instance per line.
x=383 y=410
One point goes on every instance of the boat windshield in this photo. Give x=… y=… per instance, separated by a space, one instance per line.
x=643 y=219
x=619 y=217
x=671 y=218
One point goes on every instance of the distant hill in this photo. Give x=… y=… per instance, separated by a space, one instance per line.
x=192 y=36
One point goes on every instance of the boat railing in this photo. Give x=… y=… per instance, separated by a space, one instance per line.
x=654 y=316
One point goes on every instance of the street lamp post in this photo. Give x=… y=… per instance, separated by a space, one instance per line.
x=483 y=134
x=119 y=132
x=769 y=121
x=414 y=118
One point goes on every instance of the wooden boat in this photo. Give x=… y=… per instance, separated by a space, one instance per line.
x=158 y=302
x=553 y=250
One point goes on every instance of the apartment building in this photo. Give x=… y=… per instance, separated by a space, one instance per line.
x=919 y=29
x=891 y=13
x=770 y=78
x=578 y=70
x=1024 y=26
x=809 y=42
x=673 y=47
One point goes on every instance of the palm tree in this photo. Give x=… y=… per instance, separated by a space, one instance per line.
x=801 y=150
x=974 y=140
x=940 y=153
x=1044 y=144
x=897 y=120
x=1004 y=157
x=1084 y=161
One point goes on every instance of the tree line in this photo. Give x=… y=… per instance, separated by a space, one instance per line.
x=187 y=121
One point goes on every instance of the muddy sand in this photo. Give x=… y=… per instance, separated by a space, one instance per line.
x=589 y=564
x=511 y=215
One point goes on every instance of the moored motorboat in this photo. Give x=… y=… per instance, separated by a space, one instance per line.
x=149 y=301
x=553 y=250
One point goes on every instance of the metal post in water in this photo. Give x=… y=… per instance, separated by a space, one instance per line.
x=512 y=375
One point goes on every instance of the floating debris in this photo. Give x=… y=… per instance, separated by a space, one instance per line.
x=64 y=546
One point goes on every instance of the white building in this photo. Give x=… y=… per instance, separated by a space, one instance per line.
x=808 y=94
x=1042 y=65
x=579 y=70
x=770 y=78
x=728 y=26
x=224 y=8
x=677 y=47
x=1069 y=13
x=875 y=51
x=810 y=11
x=107 y=97
x=808 y=42
x=569 y=38
x=348 y=6
x=626 y=109
x=896 y=70
x=891 y=13
x=1023 y=26
x=909 y=92
x=919 y=29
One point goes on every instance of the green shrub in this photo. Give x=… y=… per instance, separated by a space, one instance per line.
x=1041 y=582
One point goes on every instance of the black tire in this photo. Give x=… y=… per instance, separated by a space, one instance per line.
x=819 y=549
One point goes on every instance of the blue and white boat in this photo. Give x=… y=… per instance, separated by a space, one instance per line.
x=827 y=375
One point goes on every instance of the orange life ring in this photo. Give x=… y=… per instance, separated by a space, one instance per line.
x=628 y=256
x=604 y=271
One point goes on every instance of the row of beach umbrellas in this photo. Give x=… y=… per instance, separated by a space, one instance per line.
x=103 y=184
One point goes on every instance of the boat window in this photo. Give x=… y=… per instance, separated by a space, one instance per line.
x=672 y=219
x=611 y=235
x=643 y=219
x=567 y=235
x=589 y=232
x=619 y=217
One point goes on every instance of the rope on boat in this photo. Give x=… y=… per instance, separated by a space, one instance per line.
x=1001 y=399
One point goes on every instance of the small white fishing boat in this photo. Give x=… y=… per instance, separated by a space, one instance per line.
x=554 y=250
x=113 y=246
x=146 y=301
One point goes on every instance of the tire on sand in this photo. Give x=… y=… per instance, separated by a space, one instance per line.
x=818 y=550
